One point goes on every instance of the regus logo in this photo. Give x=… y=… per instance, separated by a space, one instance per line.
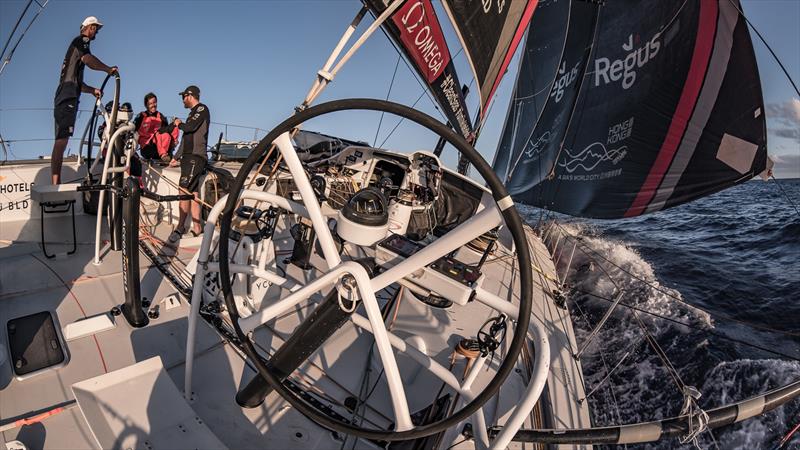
x=606 y=71
x=565 y=79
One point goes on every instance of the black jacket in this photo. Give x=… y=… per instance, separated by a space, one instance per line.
x=195 y=132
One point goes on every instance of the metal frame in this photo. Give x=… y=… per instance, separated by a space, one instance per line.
x=483 y=221
x=488 y=218
x=70 y=206
x=104 y=178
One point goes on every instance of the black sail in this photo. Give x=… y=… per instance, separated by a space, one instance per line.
x=540 y=63
x=490 y=32
x=535 y=144
x=669 y=110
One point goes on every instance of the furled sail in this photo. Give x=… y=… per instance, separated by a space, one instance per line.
x=416 y=29
x=490 y=31
x=669 y=109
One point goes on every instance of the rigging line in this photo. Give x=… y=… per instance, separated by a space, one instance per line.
x=628 y=352
x=400 y=121
x=788 y=199
x=414 y=73
x=546 y=287
x=785 y=440
x=388 y=93
x=651 y=340
x=592 y=48
x=764 y=41
x=661 y=354
x=14 y=49
x=485 y=119
x=3 y=146
x=14 y=141
x=690 y=326
x=605 y=366
x=511 y=166
x=584 y=248
x=80 y=307
x=14 y=30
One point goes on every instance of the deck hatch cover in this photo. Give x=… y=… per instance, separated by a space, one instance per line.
x=34 y=343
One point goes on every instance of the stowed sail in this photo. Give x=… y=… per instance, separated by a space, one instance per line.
x=666 y=107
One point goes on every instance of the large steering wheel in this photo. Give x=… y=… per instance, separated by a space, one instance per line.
x=505 y=207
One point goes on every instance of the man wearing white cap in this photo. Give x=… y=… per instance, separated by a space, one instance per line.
x=70 y=86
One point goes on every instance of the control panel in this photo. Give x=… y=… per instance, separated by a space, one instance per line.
x=446 y=277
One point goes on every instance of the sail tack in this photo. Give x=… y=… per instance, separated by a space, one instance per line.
x=666 y=108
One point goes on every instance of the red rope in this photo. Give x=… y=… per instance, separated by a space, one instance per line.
x=37 y=418
x=788 y=436
x=74 y=297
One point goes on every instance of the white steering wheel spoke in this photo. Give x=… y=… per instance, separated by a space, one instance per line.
x=385 y=352
x=479 y=224
x=310 y=336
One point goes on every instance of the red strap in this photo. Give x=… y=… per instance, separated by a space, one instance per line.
x=38 y=418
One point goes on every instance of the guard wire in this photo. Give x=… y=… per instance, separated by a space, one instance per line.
x=585 y=249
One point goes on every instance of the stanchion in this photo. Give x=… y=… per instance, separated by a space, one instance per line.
x=132 y=308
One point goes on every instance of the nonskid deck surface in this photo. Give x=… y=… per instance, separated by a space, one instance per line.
x=74 y=288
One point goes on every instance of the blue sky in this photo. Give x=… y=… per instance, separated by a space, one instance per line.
x=255 y=60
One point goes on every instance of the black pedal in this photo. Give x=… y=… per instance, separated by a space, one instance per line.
x=436 y=301
x=304 y=237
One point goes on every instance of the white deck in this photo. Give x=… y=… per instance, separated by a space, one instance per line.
x=74 y=288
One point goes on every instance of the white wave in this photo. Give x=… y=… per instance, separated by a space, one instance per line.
x=641 y=389
x=602 y=266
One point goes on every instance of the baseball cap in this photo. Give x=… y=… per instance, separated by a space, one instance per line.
x=91 y=20
x=193 y=90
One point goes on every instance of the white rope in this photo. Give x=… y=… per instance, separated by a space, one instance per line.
x=697 y=418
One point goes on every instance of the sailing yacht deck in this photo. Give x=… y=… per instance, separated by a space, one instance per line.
x=73 y=288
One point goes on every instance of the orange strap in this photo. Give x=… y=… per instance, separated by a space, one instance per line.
x=36 y=419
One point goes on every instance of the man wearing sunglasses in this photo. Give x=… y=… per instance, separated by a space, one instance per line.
x=70 y=87
x=192 y=157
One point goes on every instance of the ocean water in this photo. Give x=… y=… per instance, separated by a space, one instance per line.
x=727 y=267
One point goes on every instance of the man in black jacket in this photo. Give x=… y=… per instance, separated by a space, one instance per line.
x=70 y=87
x=192 y=157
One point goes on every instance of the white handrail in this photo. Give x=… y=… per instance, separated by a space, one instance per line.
x=106 y=170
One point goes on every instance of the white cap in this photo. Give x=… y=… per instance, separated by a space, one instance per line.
x=91 y=20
